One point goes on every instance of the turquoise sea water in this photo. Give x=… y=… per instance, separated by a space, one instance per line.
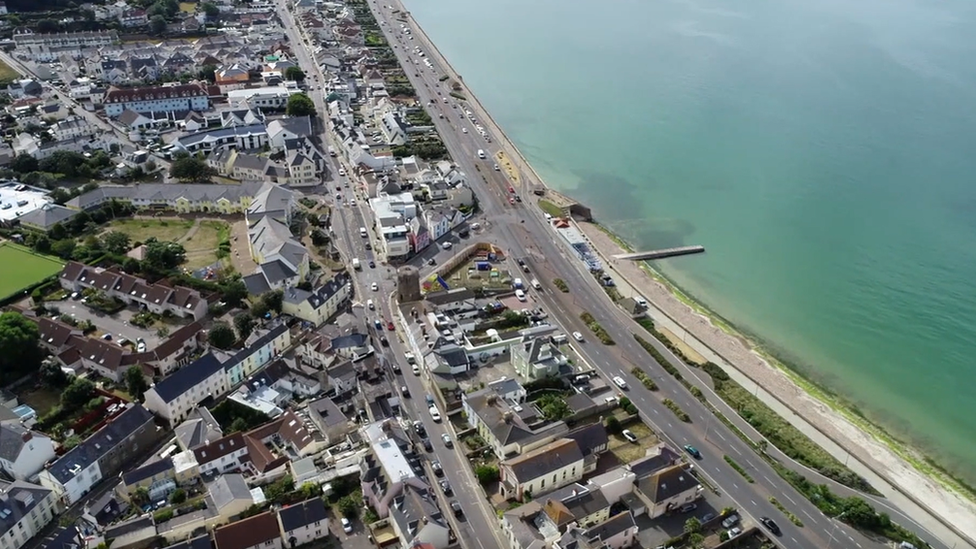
x=823 y=151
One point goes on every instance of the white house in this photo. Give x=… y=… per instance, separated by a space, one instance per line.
x=542 y=470
x=185 y=97
x=27 y=510
x=23 y=453
x=303 y=522
x=222 y=455
x=176 y=396
x=319 y=305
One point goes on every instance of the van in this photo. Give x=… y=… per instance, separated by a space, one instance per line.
x=536 y=284
x=481 y=154
x=362 y=232
x=356 y=264
x=520 y=295
x=559 y=339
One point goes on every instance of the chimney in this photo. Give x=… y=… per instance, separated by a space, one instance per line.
x=27 y=436
x=508 y=417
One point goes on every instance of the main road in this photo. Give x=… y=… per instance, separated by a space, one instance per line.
x=525 y=234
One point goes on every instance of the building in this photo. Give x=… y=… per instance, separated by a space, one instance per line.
x=190 y=198
x=330 y=421
x=617 y=532
x=320 y=304
x=258 y=532
x=45 y=217
x=231 y=495
x=245 y=138
x=509 y=427
x=174 y=397
x=542 y=470
x=418 y=521
x=303 y=522
x=122 y=439
x=261 y=348
x=272 y=98
x=665 y=490
x=23 y=453
x=25 y=510
x=386 y=470
x=282 y=260
x=158 y=478
x=168 y=99
x=157 y=298
x=198 y=429
x=224 y=455
x=536 y=358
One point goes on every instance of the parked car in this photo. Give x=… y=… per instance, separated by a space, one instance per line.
x=427 y=445
x=346 y=525
x=418 y=428
x=688 y=507
x=446 y=487
x=435 y=414
x=629 y=435
x=438 y=470
x=730 y=521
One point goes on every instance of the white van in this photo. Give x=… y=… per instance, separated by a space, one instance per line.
x=520 y=295
x=536 y=284
x=481 y=154
x=362 y=232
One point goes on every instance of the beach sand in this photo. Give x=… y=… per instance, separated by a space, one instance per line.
x=865 y=454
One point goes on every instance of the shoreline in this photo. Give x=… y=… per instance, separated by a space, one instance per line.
x=907 y=471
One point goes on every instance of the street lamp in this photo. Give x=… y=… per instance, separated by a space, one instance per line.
x=834 y=530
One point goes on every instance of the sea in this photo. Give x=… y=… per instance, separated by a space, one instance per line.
x=823 y=151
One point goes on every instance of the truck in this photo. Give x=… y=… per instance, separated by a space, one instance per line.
x=517 y=284
x=332 y=151
x=355 y=264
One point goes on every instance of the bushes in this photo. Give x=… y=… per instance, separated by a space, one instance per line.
x=597 y=329
x=644 y=379
x=628 y=406
x=739 y=469
x=793 y=518
x=487 y=474
x=561 y=284
x=681 y=414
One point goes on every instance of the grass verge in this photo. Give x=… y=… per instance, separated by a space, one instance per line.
x=644 y=379
x=678 y=412
x=597 y=329
x=793 y=518
x=561 y=284
x=550 y=208
x=738 y=468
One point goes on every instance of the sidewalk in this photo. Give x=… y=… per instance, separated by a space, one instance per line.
x=919 y=497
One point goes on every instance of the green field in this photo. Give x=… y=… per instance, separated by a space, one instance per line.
x=20 y=267
x=7 y=74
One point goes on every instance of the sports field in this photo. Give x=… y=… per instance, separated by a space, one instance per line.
x=20 y=267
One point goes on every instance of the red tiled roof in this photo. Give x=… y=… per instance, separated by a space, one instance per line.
x=154 y=92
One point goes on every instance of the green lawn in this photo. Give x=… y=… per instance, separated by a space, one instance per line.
x=140 y=230
x=20 y=267
x=7 y=74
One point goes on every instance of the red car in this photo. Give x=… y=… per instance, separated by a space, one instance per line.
x=511 y=190
x=511 y=200
x=389 y=326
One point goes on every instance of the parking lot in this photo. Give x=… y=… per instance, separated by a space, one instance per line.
x=117 y=324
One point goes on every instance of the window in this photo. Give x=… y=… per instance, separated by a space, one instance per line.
x=543 y=485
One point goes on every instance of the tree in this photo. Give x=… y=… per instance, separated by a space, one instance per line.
x=273 y=300
x=64 y=248
x=692 y=526
x=613 y=425
x=24 y=163
x=696 y=541
x=141 y=495
x=300 y=104
x=239 y=424
x=178 y=496
x=233 y=291
x=157 y=24
x=135 y=382
x=163 y=256
x=19 y=351
x=48 y=26
x=52 y=375
x=206 y=72
x=349 y=506
x=77 y=394
x=244 y=324
x=259 y=309
x=221 y=335
x=554 y=407
x=42 y=244
x=116 y=242
x=487 y=474
x=191 y=169
x=210 y=9
x=294 y=73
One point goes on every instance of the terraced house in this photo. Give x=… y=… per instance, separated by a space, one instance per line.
x=222 y=199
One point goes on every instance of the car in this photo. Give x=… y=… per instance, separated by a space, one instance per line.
x=74 y=295
x=447 y=245
x=446 y=487
x=620 y=382
x=688 y=507
x=427 y=445
x=346 y=525
x=342 y=171
x=464 y=130
x=369 y=246
x=405 y=391
x=447 y=440
x=693 y=451
x=730 y=521
x=390 y=326
x=770 y=525
x=418 y=428
x=511 y=200
x=734 y=531
x=511 y=189
x=707 y=517
x=578 y=336
x=438 y=470
x=432 y=261
x=416 y=370
x=518 y=198
x=456 y=507
x=629 y=435
x=384 y=342
x=107 y=337
x=496 y=168
x=374 y=286
x=372 y=264
x=435 y=414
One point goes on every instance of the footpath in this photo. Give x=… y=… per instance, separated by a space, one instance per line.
x=927 y=503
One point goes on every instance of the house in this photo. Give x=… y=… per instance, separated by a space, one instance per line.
x=418 y=521
x=158 y=478
x=257 y=532
x=261 y=347
x=189 y=198
x=71 y=128
x=592 y=440
x=272 y=97
x=330 y=421
x=303 y=522
x=45 y=217
x=174 y=397
x=23 y=453
x=584 y=506
x=342 y=378
x=542 y=470
x=666 y=490
x=617 y=532
x=536 y=358
x=386 y=471
x=245 y=138
x=320 y=304
x=282 y=260
x=231 y=495
x=285 y=129
x=509 y=427
x=137 y=121
x=25 y=511
x=22 y=88
x=231 y=75
x=221 y=456
x=124 y=438
x=288 y=434
x=198 y=429
x=169 y=99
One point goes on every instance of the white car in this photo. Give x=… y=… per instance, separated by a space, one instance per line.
x=497 y=168
x=416 y=370
x=342 y=171
x=464 y=130
x=578 y=336
x=620 y=382
x=435 y=414
x=629 y=435
x=346 y=525
x=447 y=245
x=374 y=286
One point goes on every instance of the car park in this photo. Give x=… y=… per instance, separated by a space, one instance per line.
x=629 y=435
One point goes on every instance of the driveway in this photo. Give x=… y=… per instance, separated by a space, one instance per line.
x=117 y=324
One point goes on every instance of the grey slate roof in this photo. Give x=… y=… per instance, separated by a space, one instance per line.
x=64 y=538
x=228 y=488
x=198 y=429
x=167 y=193
x=21 y=498
x=276 y=271
x=147 y=471
x=551 y=457
x=302 y=514
x=590 y=438
x=47 y=215
x=12 y=441
x=99 y=444
x=651 y=464
x=201 y=542
x=411 y=507
x=612 y=526
x=256 y=283
x=667 y=483
x=583 y=503
x=187 y=377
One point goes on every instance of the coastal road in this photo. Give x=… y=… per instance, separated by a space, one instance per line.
x=524 y=233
